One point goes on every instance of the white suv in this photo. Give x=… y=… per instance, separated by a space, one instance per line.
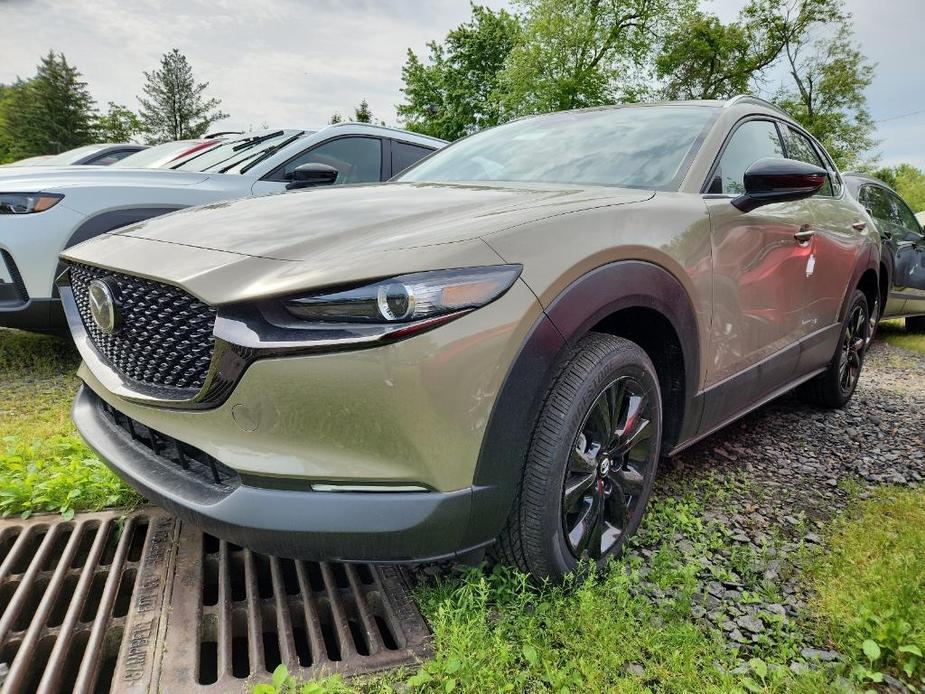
x=45 y=210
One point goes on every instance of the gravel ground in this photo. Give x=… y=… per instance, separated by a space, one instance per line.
x=771 y=481
x=762 y=490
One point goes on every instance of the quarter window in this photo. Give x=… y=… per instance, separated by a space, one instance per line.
x=753 y=140
x=800 y=148
x=404 y=155
x=357 y=160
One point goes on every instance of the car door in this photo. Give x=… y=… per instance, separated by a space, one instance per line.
x=875 y=200
x=834 y=247
x=759 y=274
x=909 y=264
x=357 y=158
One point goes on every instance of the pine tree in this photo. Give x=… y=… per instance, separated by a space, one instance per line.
x=50 y=113
x=362 y=114
x=174 y=106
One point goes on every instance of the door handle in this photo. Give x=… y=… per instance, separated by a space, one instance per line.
x=804 y=234
x=859 y=226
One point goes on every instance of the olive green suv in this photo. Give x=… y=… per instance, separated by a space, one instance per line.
x=492 y=349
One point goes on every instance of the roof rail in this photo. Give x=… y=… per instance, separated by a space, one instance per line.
x=749 y=99
x=344 y=123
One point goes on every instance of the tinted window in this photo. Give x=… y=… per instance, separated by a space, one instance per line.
x=404 y=155
x=640 y=147
x=357 y=160
x=904 y=216
x=876 y=200
x=800 y=148
x=753 y=140
x=111 y=157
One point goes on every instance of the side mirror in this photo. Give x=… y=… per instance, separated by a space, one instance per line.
x=779 y=180
x=309 y=175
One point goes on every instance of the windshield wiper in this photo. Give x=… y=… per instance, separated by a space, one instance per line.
x=268 y=152
x=250 y=142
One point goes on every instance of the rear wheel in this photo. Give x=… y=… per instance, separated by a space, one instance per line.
x=835 y=386
x=591 y=463
x=916 y=324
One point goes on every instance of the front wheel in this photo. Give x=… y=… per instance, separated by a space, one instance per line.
x=835 y=386
x=591 y=463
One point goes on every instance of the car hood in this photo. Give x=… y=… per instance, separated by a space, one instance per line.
x=47 y=179
x=350 y=221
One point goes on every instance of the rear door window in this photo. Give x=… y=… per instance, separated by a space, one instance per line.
x=405 y=154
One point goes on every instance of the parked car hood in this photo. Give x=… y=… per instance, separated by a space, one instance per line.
x=47 y=179
x=349 y=221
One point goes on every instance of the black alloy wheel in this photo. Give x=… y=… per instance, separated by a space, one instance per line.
x=607 y=469
x=854 y=341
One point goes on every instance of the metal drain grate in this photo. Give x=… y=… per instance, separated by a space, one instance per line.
x=69 y=593
x=92 y=604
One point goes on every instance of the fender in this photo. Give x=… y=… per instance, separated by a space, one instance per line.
x=105 y=222
x=584 y=303
x=869 y=259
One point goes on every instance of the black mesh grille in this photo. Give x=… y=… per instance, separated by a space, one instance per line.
x=164 y=338
x=15 y=276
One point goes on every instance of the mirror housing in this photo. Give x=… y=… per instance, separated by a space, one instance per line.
x=310 y=175
x=779 y=180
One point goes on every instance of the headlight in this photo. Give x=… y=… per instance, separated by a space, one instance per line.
x=408 y=298
x=26 y=203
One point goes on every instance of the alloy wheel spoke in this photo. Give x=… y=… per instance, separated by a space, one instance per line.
x=575 y=488
x=628 y=441
x=590 y=527
x=583 y=458
x=629 y=480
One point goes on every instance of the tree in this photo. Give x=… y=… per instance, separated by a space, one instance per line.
x=336 y=118
x=453 y=93
x=174 y=106
x=706 y=59
x=362 y=114
x=49 y=113
x=118 y=124
x=829 y=76
x=578 y=53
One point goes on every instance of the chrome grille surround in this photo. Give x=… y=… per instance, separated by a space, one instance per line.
x=165 y=340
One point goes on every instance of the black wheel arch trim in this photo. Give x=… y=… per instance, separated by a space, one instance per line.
x=577 y=309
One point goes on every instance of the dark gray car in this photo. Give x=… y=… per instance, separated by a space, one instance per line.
x=902 y=272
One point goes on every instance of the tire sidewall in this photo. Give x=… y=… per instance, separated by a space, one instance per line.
x=619 y=362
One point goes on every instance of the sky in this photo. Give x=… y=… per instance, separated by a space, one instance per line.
x=292 y=63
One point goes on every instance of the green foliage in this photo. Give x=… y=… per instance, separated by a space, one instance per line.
x=453 y=92
x=336 y=118
x=894 y=333
x=284 y=683
x=174 y=106
x=706 y=59
x=362 y=114
x=871 y=585
x=908 y=181
x=585 y=53
x=829 y=76
x=118 y=124
x=49 y=113
x=44 y=464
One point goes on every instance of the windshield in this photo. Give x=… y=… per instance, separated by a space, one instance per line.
x=158 y=156
x=230 y=153
x=72 y=155
x=632 y=146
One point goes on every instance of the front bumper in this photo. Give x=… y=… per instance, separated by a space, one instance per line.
x=342 y=526
x=34 y=315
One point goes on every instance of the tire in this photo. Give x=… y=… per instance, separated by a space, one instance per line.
x=915 y=324
x=834 y=387
x=609 y=480
x=873 y=320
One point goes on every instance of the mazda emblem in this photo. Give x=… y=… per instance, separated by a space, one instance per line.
x=103 y=307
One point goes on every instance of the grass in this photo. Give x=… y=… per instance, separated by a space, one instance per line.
x=893 y=332
x=44 y=464
x=870 y=587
